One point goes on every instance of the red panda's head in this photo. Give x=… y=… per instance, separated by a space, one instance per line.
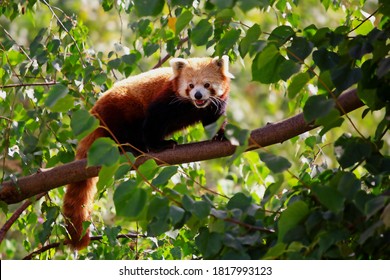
x=201 y=80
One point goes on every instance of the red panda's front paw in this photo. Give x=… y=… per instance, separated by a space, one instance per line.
x=162 y=145
x=220 y=136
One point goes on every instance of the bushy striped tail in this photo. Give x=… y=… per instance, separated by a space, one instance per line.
x=79 y=196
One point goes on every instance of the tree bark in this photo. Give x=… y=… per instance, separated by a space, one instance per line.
x=45 y=180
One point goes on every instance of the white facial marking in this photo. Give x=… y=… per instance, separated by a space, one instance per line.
x=218 y=89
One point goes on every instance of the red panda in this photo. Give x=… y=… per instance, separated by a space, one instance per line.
x=142 y=110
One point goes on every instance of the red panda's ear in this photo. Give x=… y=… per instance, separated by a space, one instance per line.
x=223 y=64
x=177 y=65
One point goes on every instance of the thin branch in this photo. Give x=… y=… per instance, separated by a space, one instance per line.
x=168 y=56
x=16 y=215
x=66 y=242
x=49 y=83
x=25 y=187
x=248 y=226
x=363 y=21
x=66 y=30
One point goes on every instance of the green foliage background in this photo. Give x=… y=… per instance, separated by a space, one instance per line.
x=322 y=195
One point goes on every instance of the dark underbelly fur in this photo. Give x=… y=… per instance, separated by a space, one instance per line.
x=164 y=117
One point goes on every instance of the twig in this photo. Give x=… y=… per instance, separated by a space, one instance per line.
x=363 y=21
x=248 y=226
x=166 y=57
x=66 y=242
x=16 y=215
x=49 y=83
x=66 y=30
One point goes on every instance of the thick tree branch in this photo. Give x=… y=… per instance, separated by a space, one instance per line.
x=25 y=187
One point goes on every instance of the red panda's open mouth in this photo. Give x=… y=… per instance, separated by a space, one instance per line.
x=200 y=103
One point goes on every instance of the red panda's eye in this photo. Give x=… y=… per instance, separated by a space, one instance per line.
x=206 y=85
x=191 y=85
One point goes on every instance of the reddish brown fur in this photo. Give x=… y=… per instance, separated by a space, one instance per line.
x=133 y=110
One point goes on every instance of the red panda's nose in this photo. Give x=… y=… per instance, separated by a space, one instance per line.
x=198 y=95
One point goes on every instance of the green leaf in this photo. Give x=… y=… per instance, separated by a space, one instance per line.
x=149 y=7
x=291 y=217
x=129 y=199
x=331 y=120
x=330 y=197
x=276 y=164
x=112 y=233
x=100 y=78
x=251 y=36
x=272 y=190
x=374 y=205
x=176 y=214
x=287 y=69
x=103 y=151
x=212 y=129
x=201 y=209
x=158 y=207
x=151 y=48
x=370 y=98
x=317 y=106
x=83 y=123
x=325 y=84
x=157 y=227
x=281 y=35
x=147 y=170
x=298 y=82
x=185 y=3
x=106 y=176
x=369 y=232
x=325 y=59
x=53 y=45
x=348 y=185
x=114 y=63
x=108 y=5
x=330 y=238
x=55 y=94
x=266 y=65
x=188 y=203
x=344 y=77
x=239 y=201
x=383 y=67
x=164 y=176
x=237 y=137
x=275 y=251
x=64 y=104
x=300 y=49
x=4 y=207
x=201 y=32
x=223 y=4
x=182 y=21
x=247 y=5
x=232 y=254
x=158 y=211
x=227 y=41
x=351 y=150
x=209 y=243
